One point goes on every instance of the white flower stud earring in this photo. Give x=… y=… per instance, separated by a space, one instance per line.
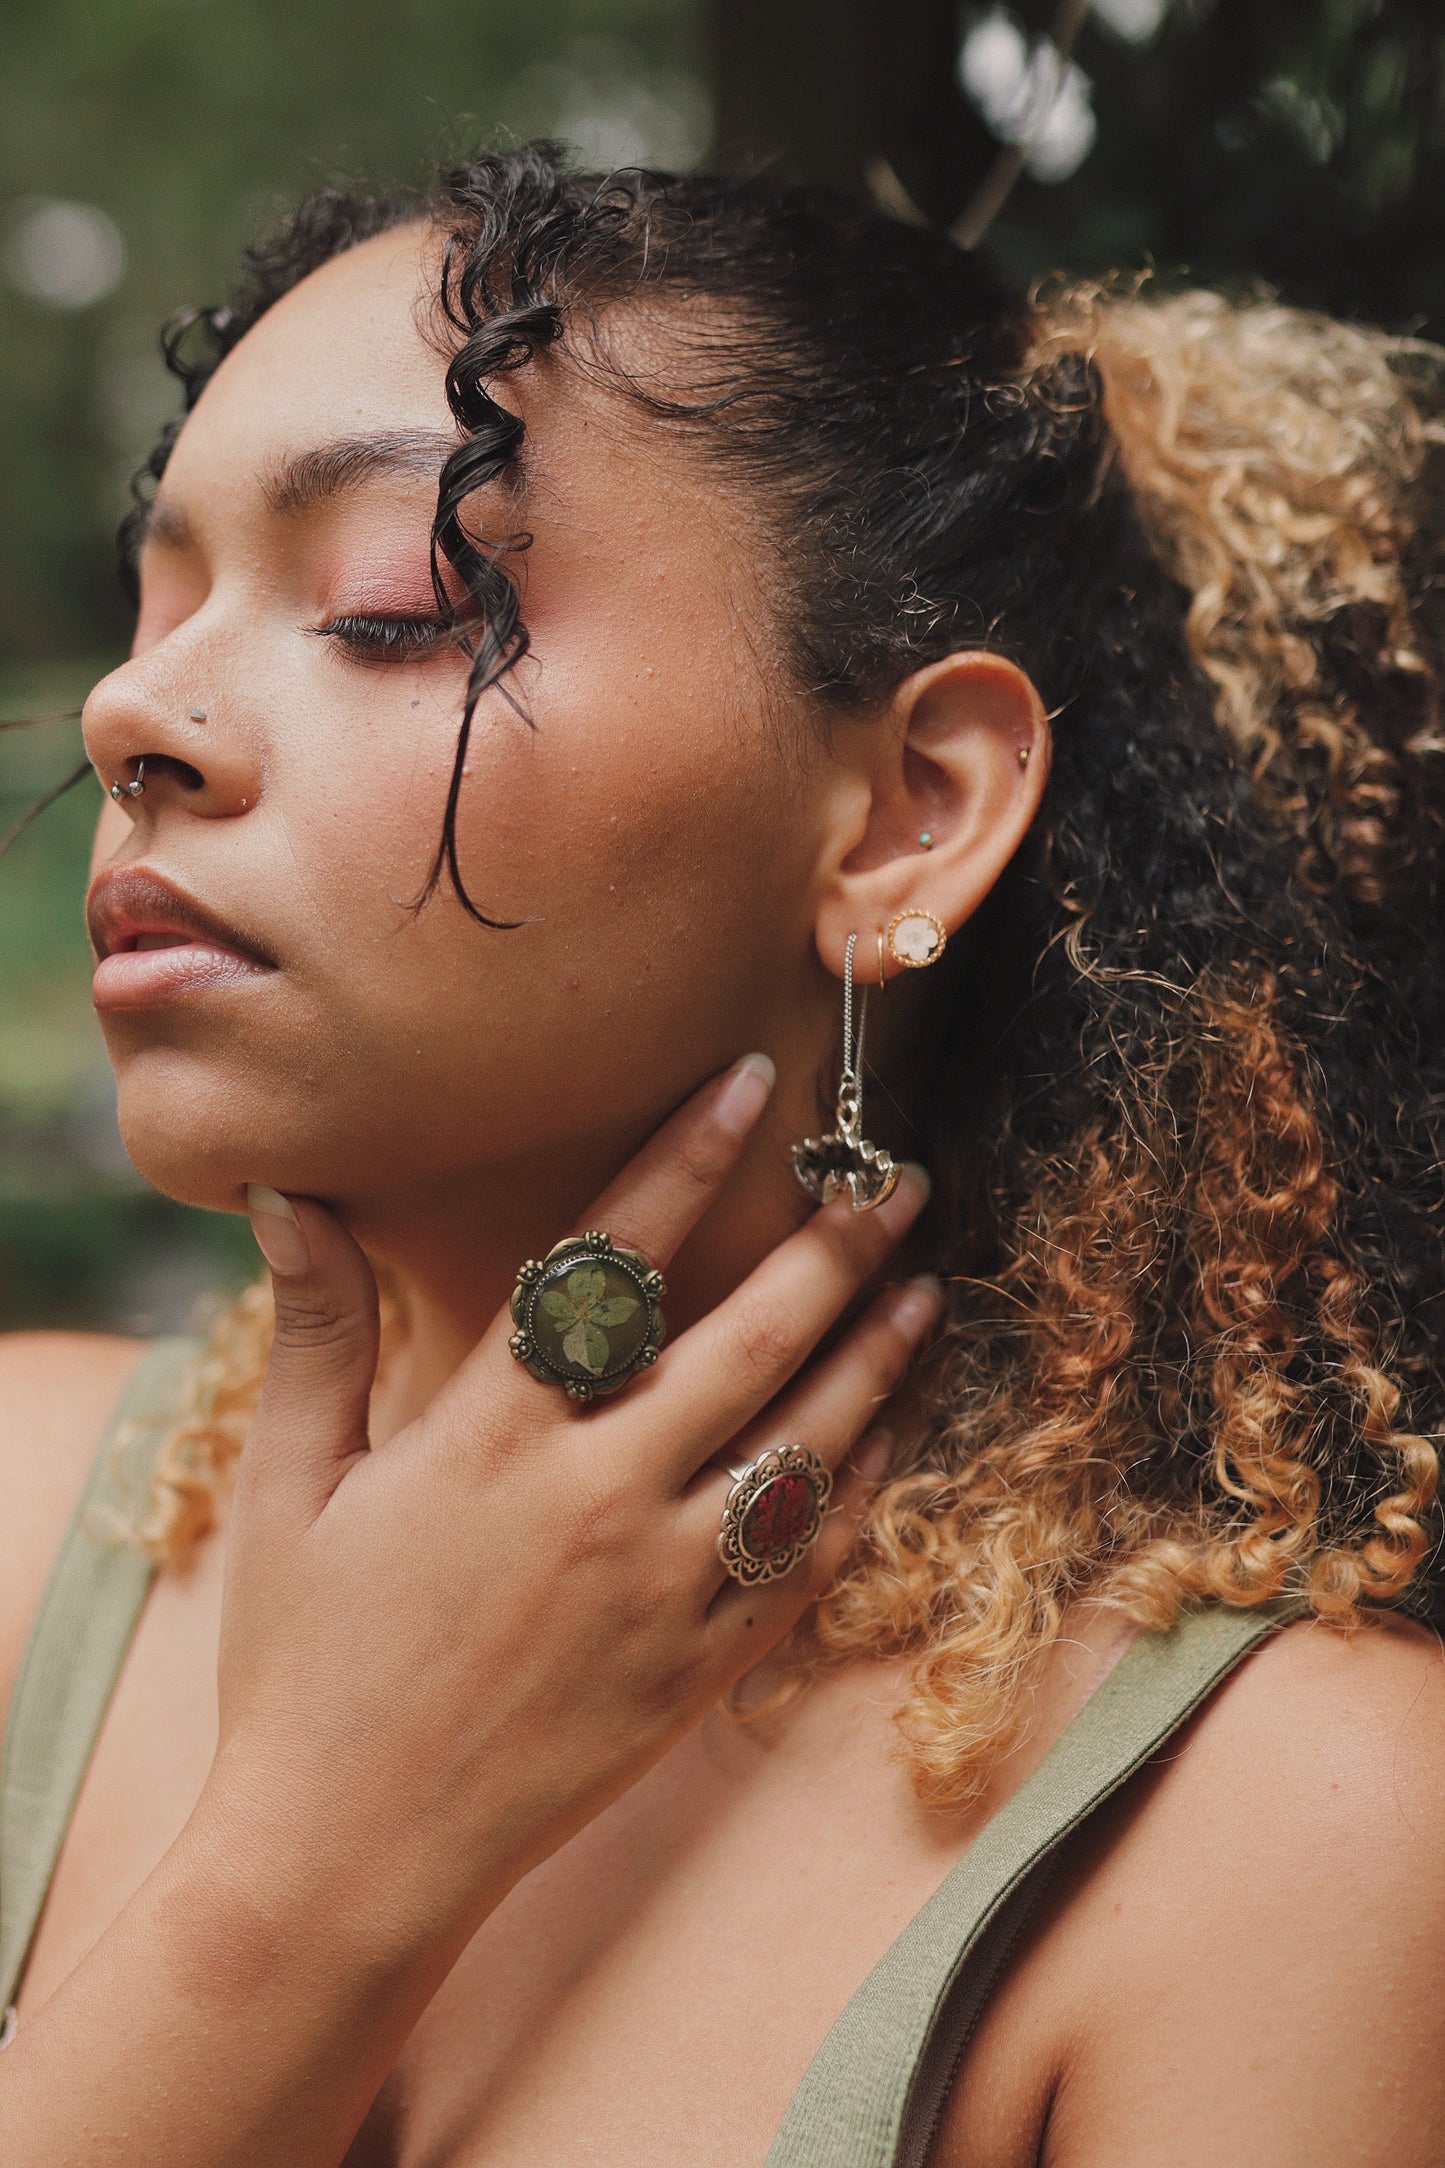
x=916 y=939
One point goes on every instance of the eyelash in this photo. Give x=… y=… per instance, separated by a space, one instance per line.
x=385 y=639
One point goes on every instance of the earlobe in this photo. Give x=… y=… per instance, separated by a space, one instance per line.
x=956 y=771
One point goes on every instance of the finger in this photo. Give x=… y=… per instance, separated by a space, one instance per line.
x=663 y=1192
x=744 y=1623
x=726 y=1368
x=827 y=1410
x=656 y=1199
x=312 y=1416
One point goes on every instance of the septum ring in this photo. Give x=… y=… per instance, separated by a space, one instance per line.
x=121 y=791
x=773 y=1513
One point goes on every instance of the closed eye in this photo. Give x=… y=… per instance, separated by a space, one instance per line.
x=387 y=639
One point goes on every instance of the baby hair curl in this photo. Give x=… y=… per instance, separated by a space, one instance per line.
x=1180 y=1081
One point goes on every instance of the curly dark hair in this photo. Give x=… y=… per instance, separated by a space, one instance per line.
x=1182 y=1077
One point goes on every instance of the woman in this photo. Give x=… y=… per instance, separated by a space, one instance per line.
x=812 y=601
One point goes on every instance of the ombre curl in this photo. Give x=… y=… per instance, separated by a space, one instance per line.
x=1176 y=1389
x=1182 y=1081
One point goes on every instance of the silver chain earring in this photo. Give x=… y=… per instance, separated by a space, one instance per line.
x=844 y=1162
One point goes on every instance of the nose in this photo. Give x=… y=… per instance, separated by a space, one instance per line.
x=155 y=745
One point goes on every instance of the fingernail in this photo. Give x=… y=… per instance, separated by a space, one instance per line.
x=908 y=1199
x=744 y=1094
x=872 y=1454
x=277 y=1231
x=917 y=1305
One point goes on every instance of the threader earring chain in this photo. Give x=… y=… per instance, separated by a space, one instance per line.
x=845 y=1162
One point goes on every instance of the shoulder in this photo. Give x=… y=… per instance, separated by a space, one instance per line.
x=1244 y=1954
x=57 y=1393
x=1323 y=1758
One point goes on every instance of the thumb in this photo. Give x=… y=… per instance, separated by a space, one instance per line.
x=312 y=1417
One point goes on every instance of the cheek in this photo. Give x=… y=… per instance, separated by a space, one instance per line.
x=648 y=837
x=633 y=805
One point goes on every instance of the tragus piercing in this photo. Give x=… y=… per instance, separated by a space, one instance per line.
x=121 y=791
x=845 y=1162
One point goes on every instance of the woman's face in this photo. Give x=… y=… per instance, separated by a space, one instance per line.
x=650 y=822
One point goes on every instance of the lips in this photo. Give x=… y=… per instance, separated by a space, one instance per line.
x=155 y=943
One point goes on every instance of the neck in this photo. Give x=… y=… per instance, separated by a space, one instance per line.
x=450 y=1259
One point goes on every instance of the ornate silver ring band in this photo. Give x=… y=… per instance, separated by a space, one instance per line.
x=773 y=1513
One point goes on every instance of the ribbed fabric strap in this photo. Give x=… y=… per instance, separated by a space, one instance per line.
x=76 y=1647
x=871 y=2096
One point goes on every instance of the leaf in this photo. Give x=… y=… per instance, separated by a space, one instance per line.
x=597 y=1349
x=615 y=1312
x=559 y=1307
x=585 y=1346
x=586 y=1284
x=574 y=1347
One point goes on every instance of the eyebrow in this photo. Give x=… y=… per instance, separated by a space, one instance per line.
x=311 y=478
x=307 y=479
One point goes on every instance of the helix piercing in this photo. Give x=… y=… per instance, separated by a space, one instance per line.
x=1024 y=752
x=121 y=791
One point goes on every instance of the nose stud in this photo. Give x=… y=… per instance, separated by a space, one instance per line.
x=198 y=715
x=121 y=791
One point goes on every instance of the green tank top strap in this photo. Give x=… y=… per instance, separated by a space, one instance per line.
x=77 y=1644
x=873 y=2095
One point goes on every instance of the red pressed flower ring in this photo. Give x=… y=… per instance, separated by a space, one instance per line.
x=773 y=1513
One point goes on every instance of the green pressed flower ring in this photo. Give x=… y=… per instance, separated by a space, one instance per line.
x=587 y=1316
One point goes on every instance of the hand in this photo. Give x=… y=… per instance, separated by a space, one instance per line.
x=440 y=1658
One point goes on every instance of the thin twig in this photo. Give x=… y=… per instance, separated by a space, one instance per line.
x=38 y=722
x=13 y=833
x=880 y=178
x=997 y=185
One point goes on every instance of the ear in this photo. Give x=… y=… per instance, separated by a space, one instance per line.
x=940 y=795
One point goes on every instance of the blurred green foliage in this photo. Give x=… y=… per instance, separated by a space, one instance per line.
x=1299 y=142
x=1302 y=141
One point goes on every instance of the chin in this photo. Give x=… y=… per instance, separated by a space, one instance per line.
x=199 y=1136
x=192 y=1169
